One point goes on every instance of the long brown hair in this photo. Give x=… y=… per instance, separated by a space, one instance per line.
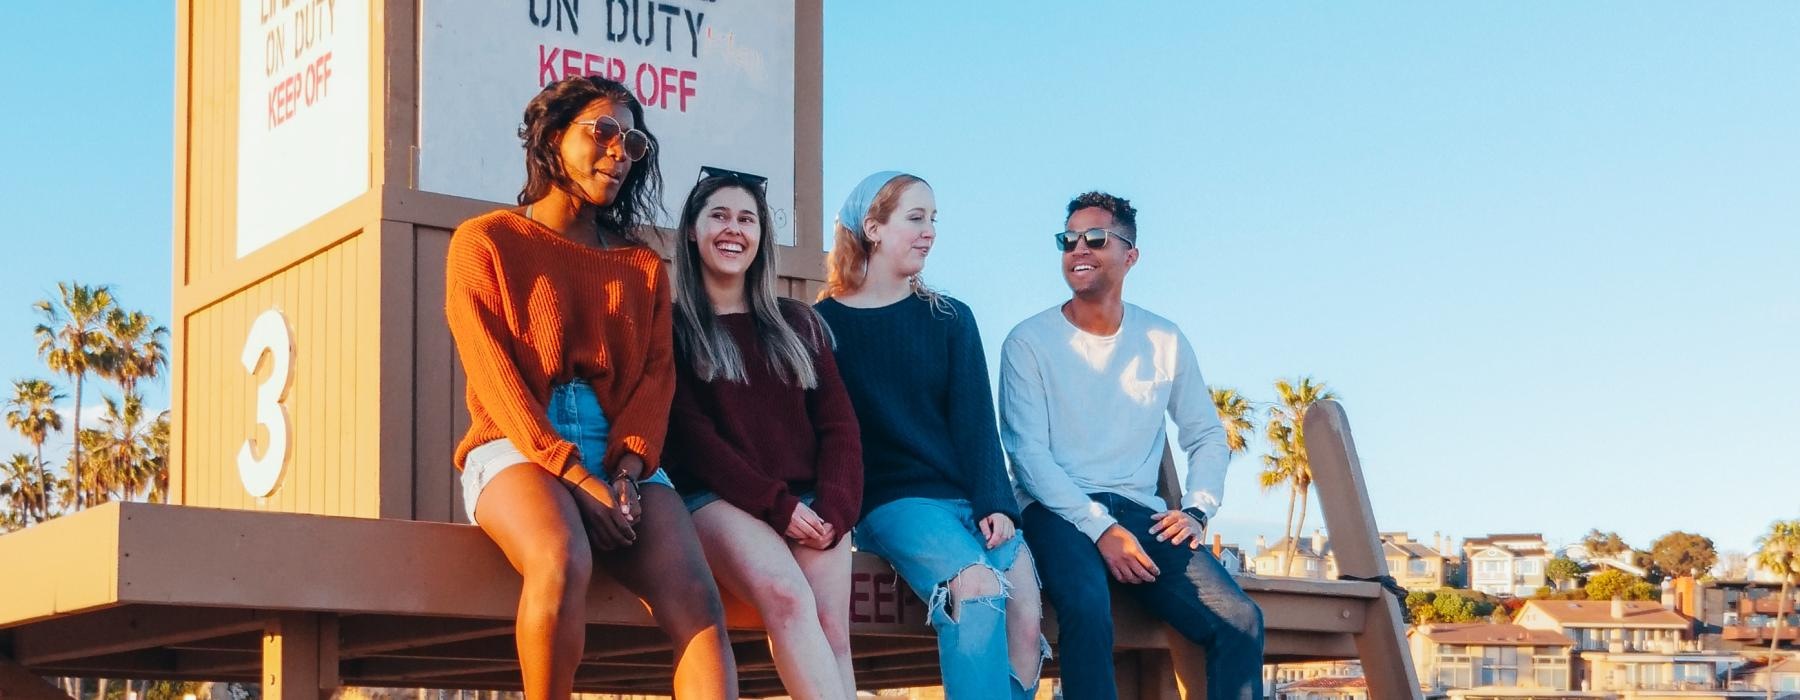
x=700 y=340
x=847 y=266
x=548 y=116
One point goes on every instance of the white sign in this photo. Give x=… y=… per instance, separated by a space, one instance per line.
x=716 y=78
x=303 y=113
x=269 y=335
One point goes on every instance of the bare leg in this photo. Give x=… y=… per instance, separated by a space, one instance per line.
x=828 y=573
x=667 y=569
x=1024 y=619
x=532 y=517
x=754 y=563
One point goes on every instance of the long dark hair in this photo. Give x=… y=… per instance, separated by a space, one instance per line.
x=546 y=118
x=701 y=341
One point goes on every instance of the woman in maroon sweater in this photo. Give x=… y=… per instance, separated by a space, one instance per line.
x=763 y=442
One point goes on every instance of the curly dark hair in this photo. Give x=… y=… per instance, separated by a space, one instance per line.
x=1119 y=207
x=548 y=115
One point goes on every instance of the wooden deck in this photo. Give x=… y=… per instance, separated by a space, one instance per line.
x=306 y=603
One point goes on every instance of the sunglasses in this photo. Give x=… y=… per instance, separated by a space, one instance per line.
x=607 y=131
x=748 y=179
x=1095 y=237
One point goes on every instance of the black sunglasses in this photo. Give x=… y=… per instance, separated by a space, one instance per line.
x=1095 y=237
x=752 y=180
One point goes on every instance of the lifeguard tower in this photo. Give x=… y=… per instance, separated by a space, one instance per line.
x=324 y=152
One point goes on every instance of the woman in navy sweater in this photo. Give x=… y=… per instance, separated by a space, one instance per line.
x=937 y=502
x=763 y=442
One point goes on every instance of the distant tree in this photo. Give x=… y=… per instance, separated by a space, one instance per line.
x=1286 y=433
x=1543 y=592
x=1611 y=582
x=73 y=341
x=1454 y=605
x=1237 y=414
x=1643 y=590
x=31 y=411
x=20 y=492
x=156 y=445
x=1454 y=608
x=136 y=349
x=1604 y=544
x=1778 y=552
x=1563 y=571
x=1683 y=553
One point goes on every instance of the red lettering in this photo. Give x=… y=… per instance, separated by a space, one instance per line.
x=858 y=584
x=588 y=61
x=547 y=65
x=615 y=70
x=284 y=100
x=569 y=62
x=317 y=75
x=667 y=85
x=687 y=89
x=886 y=592
x=646 y=97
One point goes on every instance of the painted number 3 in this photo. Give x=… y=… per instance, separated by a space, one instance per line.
x=268 y=334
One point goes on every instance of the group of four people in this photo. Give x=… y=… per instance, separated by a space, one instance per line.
x=687 y=429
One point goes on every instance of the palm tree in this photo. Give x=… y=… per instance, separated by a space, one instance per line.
x=20 y=492
x=1779 y=552
x=1236 y=413
x=1289 y=409
x=72 y=340
x=156 y=448
x=136 y=349
x=32 y=412
x=95 y=484
x=123 y=465
x=1278 y=470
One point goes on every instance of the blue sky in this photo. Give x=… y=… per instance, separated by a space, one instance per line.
x=1549 y=253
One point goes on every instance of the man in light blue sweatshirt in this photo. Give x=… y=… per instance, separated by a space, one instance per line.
x=1084 y=390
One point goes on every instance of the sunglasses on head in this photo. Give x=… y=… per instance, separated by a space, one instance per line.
x=1095 y=237
x=607 y=131
x=748 y=179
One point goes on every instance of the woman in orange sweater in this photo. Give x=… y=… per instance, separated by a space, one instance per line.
x=562 y=320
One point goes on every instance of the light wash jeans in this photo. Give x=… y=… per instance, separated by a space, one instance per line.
x=929 y=541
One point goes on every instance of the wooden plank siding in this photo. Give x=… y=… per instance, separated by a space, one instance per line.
x=330 y=405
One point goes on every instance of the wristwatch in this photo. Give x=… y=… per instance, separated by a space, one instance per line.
x=1198 y=514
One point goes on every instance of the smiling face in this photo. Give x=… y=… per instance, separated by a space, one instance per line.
x=905 y=238
x=728 y=234
x=1097 y=274
x=595 y=171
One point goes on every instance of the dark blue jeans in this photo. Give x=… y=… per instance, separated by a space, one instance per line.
x=1194 y=594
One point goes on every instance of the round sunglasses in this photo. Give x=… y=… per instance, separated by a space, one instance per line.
x=607 y=131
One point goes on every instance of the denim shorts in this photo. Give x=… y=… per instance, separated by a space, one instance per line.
x=575 y=413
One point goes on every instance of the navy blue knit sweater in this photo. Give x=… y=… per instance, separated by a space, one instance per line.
x=919 y=382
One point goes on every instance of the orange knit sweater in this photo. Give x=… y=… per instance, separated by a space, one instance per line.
x=530 y=310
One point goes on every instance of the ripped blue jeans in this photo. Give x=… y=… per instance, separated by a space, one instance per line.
x=930 y=541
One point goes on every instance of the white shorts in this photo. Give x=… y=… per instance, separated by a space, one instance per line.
x=488 y=459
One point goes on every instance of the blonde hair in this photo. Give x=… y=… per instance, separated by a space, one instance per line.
x=847 y=266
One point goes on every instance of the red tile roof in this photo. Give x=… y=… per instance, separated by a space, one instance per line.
x=1590 y=613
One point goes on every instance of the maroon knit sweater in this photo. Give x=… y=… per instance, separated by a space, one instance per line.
x=759 y=444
